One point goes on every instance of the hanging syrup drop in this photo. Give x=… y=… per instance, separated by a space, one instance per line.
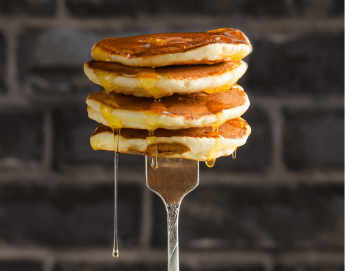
x=154 y=162
x=210 y=163
x=234 y=154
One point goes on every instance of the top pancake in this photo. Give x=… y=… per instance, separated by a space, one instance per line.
x=155 y=50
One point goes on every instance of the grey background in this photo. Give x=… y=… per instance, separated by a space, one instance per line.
x=277 y=207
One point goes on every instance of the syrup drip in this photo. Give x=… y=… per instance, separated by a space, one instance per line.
x=106 y=79
x=115 y=124
x=149 y=82
x=222 y=88
x=116 y=165
x=220 y=120
x=152 y=140
x=218 y=146
x=107 y=113
x=234 y=154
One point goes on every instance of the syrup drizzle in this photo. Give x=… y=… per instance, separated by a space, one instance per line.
x=116 y=166
x=149 y=82
x=115 y=124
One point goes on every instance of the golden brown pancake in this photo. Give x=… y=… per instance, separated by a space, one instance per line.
x=164 y=81
x=173 y=112
x=156 y=50
x=203 y=144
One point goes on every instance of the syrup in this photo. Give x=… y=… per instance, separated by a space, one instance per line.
x=116 y=166
x=106 y=79
x=234 y=154
x=115 y=124
x=152 y=140
x=149 y=82
x=168 y=43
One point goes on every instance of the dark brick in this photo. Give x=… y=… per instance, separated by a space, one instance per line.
x=73 y=130
x=318 y=267
x=338 y=8
x=28 y=7
x=146 y=266
x=318 y=9
x=65 y=217
x=108 y=267
x=20 y=265
x=2 y=63
x=275 y=218
x=209 y=267
x=21 y=134
x=314 y=139
x=255 y=155
x=311 y=65
x=106 y=8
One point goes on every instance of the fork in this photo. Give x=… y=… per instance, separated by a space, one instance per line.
x=171 y=181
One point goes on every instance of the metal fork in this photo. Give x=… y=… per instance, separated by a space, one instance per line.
x=172 y=180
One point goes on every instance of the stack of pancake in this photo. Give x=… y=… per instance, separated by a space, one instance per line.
x=170 y=95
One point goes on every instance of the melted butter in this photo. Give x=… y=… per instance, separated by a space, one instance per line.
x=107 y=113
x=149 y=82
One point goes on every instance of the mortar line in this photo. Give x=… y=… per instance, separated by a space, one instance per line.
x=276 y=118
x=254 y=27
x=101 y=255
x=48 y=140
x=61 y=10
x=82 y=177
x=11 y=71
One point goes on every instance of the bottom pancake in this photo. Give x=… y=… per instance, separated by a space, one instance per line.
x=202 y=144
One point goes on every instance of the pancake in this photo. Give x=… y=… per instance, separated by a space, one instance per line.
x=164 y=81
x=202 y=144
x=173 y=112
x=155 y=50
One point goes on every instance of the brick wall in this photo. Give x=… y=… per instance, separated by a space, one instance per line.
x=277 y=207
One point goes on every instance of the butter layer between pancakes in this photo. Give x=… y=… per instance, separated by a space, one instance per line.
x=173 y=112
x=202 y=144
x=157 y=50
x=164 y=81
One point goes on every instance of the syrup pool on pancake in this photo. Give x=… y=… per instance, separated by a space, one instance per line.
x=156 y=50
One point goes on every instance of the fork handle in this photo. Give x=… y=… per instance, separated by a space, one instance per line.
x=173 y=250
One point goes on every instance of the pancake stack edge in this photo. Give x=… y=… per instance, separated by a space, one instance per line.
x=170 y=95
